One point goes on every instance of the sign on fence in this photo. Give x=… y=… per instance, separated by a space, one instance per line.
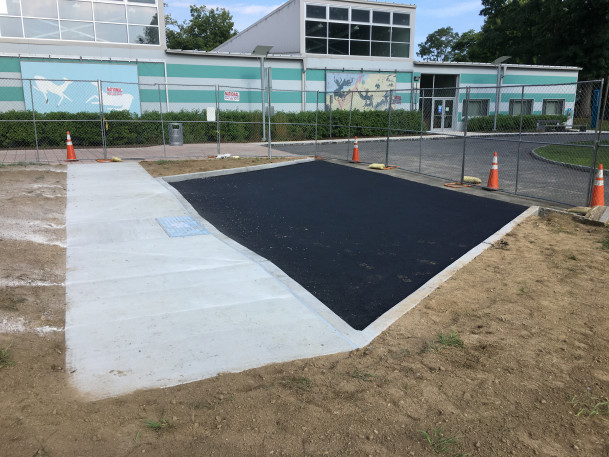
x=231 y=96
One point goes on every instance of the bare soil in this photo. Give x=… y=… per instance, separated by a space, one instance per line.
x=530 y=378
x=177 y=167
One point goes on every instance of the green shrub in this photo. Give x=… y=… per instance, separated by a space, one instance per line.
x=123 y=128
x=507 y=123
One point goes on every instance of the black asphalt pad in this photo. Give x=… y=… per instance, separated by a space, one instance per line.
x=357 y=240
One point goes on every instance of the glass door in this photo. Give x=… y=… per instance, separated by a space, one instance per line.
x=443 y=114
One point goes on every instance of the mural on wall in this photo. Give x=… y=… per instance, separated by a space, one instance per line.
x=73 y=87
x=362 y=91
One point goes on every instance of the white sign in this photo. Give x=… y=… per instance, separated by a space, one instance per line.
x=231 y=96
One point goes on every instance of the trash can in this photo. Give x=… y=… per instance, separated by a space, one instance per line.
x=176 y=137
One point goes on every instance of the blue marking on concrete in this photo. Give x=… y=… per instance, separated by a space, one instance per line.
x=180 y=226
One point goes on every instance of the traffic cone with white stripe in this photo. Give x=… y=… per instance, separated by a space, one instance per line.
x=598 y=191
x=493 y=177
x=355 y=158
x=71 y=154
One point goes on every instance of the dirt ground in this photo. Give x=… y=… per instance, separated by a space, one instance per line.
x=177 y=167
x=531 y=377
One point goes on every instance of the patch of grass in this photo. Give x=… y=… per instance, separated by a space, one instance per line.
x=162 y=162
x=42 y=452
x=298 y=382
x=572 y=257
x=591 y=406
x=157 y=426
x=452 y=339
x=439 y=443
x=5 y=358
x=368 y=377
x=605 y=243
x=577 y=153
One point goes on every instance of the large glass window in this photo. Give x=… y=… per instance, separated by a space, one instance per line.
x=381 y=17
x=476 y=108
x=317 y=29
x=77 y=30
x=39 y=8
x=551 y=107
x=316 y=45
x=139 y=34
x=518 y=107
x=10 y=7
x=142 y=15
x=41 y=28
x=388 y=37
x=107 y=12
x=360 y=15
x=116 y=21
x=69 y=9
x=111 y=33
x=338 y=47
x=360 y=48
x=316 y=12
x=338 y=30
x=339 y=14
x=10 y=27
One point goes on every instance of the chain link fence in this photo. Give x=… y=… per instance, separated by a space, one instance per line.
x=549 y=138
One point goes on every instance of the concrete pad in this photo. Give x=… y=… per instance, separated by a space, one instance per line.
x=146 y=310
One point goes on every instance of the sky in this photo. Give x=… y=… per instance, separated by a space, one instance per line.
x=461 y=15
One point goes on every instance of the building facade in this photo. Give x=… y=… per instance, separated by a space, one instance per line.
x=78 y=55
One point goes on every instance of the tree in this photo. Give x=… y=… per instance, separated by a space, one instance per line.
x=465 y=48
x=439 y=45
x=206 y=29
x=547 y=32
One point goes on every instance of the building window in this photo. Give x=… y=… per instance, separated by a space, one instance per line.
x=349 y=31
x=518 y=107
x=316 y=12
x=551 y=107
x=477 y=108
x=116 y=21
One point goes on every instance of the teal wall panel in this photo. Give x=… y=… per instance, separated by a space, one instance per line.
x=151 y=69
x=316 y=75
x=11 y=94
x=9 y=65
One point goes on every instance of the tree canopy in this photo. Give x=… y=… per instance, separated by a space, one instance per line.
x=542 y=32
x=206 y=29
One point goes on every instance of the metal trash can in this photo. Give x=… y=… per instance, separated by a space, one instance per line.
x=176 y=137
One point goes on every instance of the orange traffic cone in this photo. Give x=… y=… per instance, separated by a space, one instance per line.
x=598 y=191
x=355 y=158
x=493 y=177
x=71 y=154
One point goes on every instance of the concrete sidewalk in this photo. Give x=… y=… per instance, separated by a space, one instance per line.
x=148 y=310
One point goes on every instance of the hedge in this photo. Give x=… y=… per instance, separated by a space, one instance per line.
x=124 y=128
x=507 y=123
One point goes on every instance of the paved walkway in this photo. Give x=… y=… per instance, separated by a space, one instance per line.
x=148 y=310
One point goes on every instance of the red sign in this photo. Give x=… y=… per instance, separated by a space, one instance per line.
x=114 y=91
x=231 y=96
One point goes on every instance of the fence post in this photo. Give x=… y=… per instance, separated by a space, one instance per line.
x=388 y=128
x=269 y=122
x=598 y=122
x=162 y=126
x=330 y=115
x=519 y=140
x=422 y=103
x=316 y=117
x=102 y=118
x=34 y=118
x=466 y=118
x=349 y=134
x=217 y=94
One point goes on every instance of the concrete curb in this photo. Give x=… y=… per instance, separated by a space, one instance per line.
x=571 y=166
x=232 y=171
